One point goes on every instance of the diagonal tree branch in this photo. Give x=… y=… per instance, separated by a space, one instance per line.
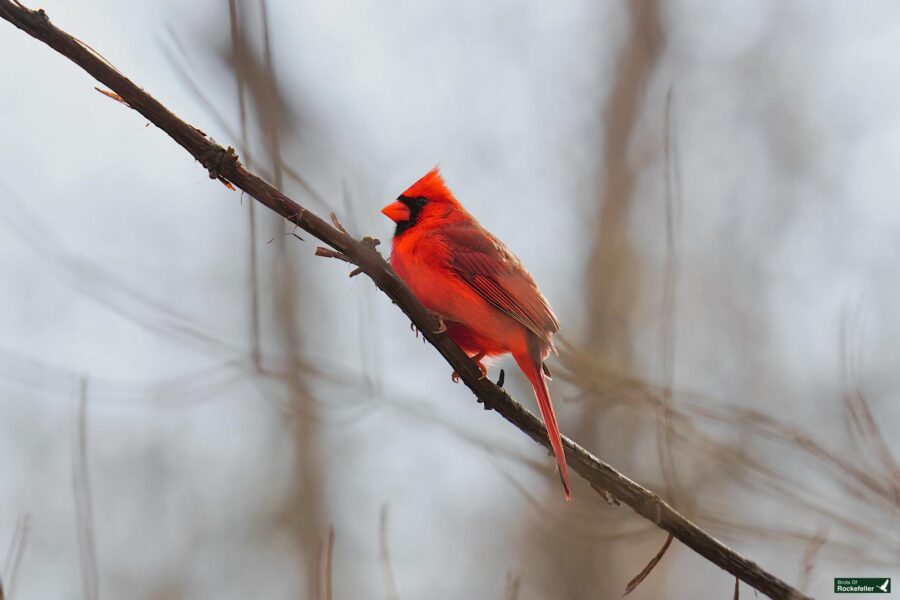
x=223 y=164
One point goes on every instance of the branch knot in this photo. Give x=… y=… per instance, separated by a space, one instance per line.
x=218 y=161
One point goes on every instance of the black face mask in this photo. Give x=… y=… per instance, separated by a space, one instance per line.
x=415 y=206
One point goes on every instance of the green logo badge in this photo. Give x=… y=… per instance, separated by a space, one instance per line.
x=862 y=585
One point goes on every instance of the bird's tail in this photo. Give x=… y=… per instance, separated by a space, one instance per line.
x=532 y=369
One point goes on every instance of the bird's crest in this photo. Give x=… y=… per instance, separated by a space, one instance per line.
x=431 y=187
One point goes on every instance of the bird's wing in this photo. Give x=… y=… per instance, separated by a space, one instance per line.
x=499 y=277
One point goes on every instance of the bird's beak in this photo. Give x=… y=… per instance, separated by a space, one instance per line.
x=396 y=211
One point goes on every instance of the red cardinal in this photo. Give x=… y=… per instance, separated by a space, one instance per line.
x=487 y=300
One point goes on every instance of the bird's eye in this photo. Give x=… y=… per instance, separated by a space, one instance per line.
x=420 y=202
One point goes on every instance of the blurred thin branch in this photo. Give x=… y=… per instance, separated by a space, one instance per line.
x=862 y=425
x=239 y=56
x=253 y=68
x=390 y=584
x=14 y=554
x=320 y=576
x=329 y=564
x=261 y=98
x=223 y=165
x=613 y=263
x=613 y=280
x=809 y=559
x=107 y=287
x=512 y=586
x=673 y=203
x=84 y=517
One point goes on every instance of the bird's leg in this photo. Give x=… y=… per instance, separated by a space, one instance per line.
x=477 y=358
x=501 y=379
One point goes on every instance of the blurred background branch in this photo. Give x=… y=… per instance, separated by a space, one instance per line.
x=81 y=483
x=14 y=555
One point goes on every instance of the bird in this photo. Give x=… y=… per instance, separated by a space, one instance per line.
x=487 y=301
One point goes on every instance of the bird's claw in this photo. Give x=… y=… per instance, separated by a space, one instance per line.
x=371 y=242
x=483 y=370
x=477 y=359
x=501 y=379
x=441 y=326
x=415 y=329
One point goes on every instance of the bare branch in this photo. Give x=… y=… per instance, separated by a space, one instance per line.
x=223 y=164
x=83 y=507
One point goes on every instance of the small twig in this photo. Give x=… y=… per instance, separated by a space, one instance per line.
x=329 y=253
x=337 y=224
x=284 y=234
x=737 y=588
x=647 y=569
x=112 y=95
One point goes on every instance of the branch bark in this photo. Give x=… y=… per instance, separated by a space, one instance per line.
x=223 y=164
